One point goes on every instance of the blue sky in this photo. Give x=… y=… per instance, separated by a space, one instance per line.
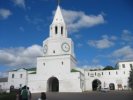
x=102 y=31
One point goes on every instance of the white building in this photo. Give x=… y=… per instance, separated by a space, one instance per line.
x=56 y=70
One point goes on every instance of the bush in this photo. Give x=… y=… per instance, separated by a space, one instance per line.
x=7 y=96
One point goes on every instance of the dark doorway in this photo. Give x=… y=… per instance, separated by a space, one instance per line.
x=53 y=84
x=96 y=85
x=12 y=88
x=112 y=86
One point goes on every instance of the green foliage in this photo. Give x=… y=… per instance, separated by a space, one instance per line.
x=7 y=96
x=130 y=80
x=108 y=68
x=74 y=70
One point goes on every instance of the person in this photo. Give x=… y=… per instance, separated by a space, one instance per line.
x=43 y=96
x=20 y=97
x=17 y=95
x=29 y=94
x=24 y=93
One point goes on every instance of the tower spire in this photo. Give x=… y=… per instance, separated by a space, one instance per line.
x=58 y=26
x=58 y=2
x=58 y=18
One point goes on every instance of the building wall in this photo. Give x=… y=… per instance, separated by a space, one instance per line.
x=3 y=86
x=119 y=76
x=67 y=82
x=17 y=78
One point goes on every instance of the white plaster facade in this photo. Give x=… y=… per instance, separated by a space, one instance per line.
x=54 y=68
x=118 y=77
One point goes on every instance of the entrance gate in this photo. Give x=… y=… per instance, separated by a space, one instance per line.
x=53 y=84
x=96 y=85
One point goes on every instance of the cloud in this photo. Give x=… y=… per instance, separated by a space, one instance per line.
x=76 y=20
x=92 y=67
x=95 y=61
x=21 y=29
x=105 y=42
x=4 y=13
x=20 y=57
x=124 y=53
x=79 y=45
x=78 y=36
x=19 y=3
x=39 y=23
x=127 y=35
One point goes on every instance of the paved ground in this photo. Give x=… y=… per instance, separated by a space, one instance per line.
x=111 y=95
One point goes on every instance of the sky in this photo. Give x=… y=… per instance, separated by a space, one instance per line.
x=102 y=31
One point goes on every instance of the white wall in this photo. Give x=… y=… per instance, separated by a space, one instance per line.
x=119 y=76
x=3 y=86
x=17 y=80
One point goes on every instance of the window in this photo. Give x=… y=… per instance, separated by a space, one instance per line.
x=44 y=64
x=20 y=85
x=62 y=62
x=123 y=65
x=116 y=73
x=56 y=29
x=131 y=66
x=102 y=73
x=88 y=74
x=12 y=75
x=21 y=75
x=95 y=73
x=109 y=73
x=61 y=30
x=53 y=51
x=124 y=72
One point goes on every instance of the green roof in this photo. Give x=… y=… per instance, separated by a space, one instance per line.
x=31 y=69
x=33 y=73
x=74 y=70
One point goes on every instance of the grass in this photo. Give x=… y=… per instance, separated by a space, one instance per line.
x=7 y=96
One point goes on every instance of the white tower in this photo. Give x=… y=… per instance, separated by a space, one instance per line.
x=58 y=43
x=58 y=49
x=54 y=67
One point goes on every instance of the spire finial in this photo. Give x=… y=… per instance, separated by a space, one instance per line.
x=58 y=2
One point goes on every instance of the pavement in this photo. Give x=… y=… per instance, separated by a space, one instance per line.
x=110 y=95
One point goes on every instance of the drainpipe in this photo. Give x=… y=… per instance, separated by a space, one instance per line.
x=84 y=81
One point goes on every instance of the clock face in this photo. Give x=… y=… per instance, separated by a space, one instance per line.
x=98 y=74
x=45 y=48
x=65 y=47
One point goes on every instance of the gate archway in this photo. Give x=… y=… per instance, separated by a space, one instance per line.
x=96 y=85
x=53 y=84
x=112 y=86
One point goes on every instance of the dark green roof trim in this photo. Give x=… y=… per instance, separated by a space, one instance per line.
x=33 y=73
x=74 y=70
x=31 y=69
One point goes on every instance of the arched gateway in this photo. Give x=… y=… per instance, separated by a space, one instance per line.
x=96 y=85
x=53 y=84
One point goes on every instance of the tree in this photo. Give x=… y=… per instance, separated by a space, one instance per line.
x=108 y=68
x=130 y=80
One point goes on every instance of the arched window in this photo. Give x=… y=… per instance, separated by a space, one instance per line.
x=12 y=75
x=61 y=30
x=56 y=29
